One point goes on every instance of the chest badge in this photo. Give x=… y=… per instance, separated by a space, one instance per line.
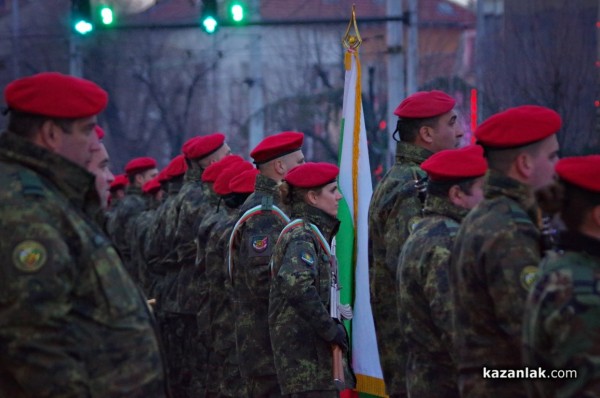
x=29 y=256
x=528 y=276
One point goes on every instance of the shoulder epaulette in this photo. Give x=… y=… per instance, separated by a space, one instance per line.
x=31 y=184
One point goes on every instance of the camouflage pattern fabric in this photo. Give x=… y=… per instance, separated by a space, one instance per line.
x=300 y=325
x=395 y=205
x=156 y=247
x=72 y=323
x=223 y=373
x=251 y=280
x=120 y=222
x=315 y=394
x=494 y=260
x=562 y=319
x=424 y=300
x=139 y=231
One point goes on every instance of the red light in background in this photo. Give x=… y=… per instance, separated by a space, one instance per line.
x=382 y=125
x=473 y=113
x=597 y=103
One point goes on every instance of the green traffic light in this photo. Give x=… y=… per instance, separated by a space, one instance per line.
x=83 y=27
x=237 y=12
x=210 y=24
x=106 y=15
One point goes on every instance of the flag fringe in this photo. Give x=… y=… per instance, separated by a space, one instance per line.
x=370 y=385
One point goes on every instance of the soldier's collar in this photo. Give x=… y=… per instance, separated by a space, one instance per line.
x=133 y=190
x=407 y=152
x=327 y=224
x=443 y=207
x=266 y=185
x=497 y=184
x=74 y=181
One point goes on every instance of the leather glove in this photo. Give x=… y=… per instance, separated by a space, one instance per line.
x=341 y=338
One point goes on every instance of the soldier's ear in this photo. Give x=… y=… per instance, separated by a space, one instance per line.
x=426 y=134
x=50 y=136
x=311 y=197
x=523 y=165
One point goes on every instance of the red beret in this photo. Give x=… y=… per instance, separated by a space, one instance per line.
x=56 y=95
x=211 y=173
x=244 y=183
x=99 y=132
x=176 y=167
x=424 y=104
x=312 y=175
x=151 y=187
x=276 y=146
x=518 y=127
x=221 y=185
x=120 y=182
x=582 y=171
x=202 y=146
x=456 y=164
x=138 y=165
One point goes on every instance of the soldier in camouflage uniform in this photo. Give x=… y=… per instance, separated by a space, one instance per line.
x=72 y=323
x=561 y=326
x=120 y=218
x=98 y=166
x=455 y=179
x=117 y=190
x=250 y=251
x=498 y=247
x=216 y=319
x=187 y=353
x=428 y=123
x=139 y=230
x=301 y=328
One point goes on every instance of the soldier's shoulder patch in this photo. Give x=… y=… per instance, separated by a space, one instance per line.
x=307 y=258
x=528 y=276
x=29 y=256
x=260 y=243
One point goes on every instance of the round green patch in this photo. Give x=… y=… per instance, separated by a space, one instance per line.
x=29 y=256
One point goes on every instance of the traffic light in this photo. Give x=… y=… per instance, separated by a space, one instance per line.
x=209 y=20
x=237 y=12
x=81 y=16
x=106 y=14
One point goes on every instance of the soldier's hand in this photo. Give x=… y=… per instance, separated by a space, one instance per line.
x=341 y=338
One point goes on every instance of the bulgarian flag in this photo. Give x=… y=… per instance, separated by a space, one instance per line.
x=351 y=241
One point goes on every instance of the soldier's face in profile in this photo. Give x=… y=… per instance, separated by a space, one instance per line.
x=104 y=177
x=475 y=195
x=543 y=161
x=78 y=143
x=292 y=160
x=328 y=199
x=147 y=176
x=448 y=132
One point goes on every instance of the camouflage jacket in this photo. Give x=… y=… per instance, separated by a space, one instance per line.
x=139 y=233
x=300 y=325
x=72 y=323
x=192 y=282
x=494 y=260
x=424 y=299
x=251 y=249
x=179 y=233
x=562 y=319
x=394 y=206
x=157 y=246
x=220 y=305
x=121 y=219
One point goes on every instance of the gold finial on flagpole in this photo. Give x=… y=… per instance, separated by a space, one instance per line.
x=352 y=40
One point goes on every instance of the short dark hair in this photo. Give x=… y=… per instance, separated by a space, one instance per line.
x=291 y=194
x=576 y=205
x=500 y=159
x=408 y=128
x=26 y=124
x=441 y=189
